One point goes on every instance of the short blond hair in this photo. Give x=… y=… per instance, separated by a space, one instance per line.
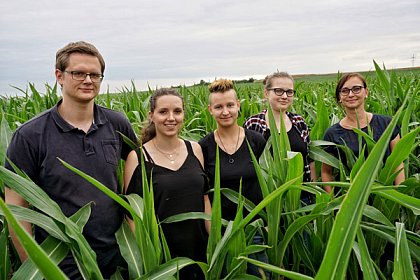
x=220 y=85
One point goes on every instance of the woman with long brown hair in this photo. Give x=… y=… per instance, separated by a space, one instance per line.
x=179 y=182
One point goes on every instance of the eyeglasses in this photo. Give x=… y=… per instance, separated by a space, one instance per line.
x=355 y=90
x=279 y=91
x=81 y=76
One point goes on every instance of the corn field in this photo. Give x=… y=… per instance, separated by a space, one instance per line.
x=368 y=230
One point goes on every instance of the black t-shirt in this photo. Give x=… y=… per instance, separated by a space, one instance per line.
x=233 y=168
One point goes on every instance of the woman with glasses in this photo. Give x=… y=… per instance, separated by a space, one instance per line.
x=351 y=93
x=279 y=92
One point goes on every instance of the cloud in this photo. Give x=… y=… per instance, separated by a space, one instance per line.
x=186 y=40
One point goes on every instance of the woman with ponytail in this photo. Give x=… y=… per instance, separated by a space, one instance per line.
x=179 y=182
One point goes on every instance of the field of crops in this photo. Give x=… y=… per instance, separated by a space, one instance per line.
x=368 y=230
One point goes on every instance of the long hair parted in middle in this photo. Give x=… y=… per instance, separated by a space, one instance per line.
x=149 y=130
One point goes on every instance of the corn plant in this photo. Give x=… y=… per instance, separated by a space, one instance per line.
x=341 y=236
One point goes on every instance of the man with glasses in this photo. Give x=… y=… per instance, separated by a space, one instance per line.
x=88 y=137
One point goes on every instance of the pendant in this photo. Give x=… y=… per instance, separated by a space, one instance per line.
x=172 y=162
x=231 y=161
x=170 y=156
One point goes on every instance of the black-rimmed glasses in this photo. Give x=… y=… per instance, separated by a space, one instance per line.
x=279 y=91
x=81 y=76
x=354 y=89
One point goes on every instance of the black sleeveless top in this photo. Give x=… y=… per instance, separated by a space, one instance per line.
x=175 y=192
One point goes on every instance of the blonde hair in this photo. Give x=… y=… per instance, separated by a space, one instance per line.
x=220 y=85
x=268 y=80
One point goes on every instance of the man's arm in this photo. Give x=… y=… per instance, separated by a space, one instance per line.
x=14 y=198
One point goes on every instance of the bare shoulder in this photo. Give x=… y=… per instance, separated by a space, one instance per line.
x=196 y=147
x=132 y=158
x=197 y=151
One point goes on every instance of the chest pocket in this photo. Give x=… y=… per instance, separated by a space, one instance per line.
x=111 y=149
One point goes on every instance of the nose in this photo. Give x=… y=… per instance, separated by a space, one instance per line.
x=225 y=111
x=351 y=92
x=86 y=79
x=171 y=116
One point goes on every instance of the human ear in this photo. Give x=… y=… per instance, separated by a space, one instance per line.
x=59 y=77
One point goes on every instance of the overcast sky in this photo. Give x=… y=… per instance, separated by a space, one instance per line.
x=164 y=43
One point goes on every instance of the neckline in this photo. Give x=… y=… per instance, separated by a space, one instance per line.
x=267 y=125
x=151 y=161
x=351 y=129
x=239 y=145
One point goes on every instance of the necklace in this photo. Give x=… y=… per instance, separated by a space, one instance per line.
x=170 y=156
x=231 y=160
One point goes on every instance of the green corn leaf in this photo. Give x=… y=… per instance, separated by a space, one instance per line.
x=403 y=267
x=335 y=261
x=216 y=216
x=234 y=197
x=100 y=186
x=362 y=254
x=401 y=152
x=5 y=263
x=34 y=251
x=368 y=138
x=408 y=114
x=187 y=216
x=277 y=270
x=408 y=201
x=56 y=249
x=31 y=193
x=38 y=219
x=129 y=250
x=136 y=202
x=376 y=215
x=320 y=155
x=39 y=199
x=167 y=269
x=359 y=162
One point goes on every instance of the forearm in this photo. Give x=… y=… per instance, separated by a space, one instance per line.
x=207 y=210
x=12 y=198
x=327 y=176
x=314 y=176
x=401 y=175
x=18 y=246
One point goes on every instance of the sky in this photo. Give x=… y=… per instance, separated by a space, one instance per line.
x=179 y=42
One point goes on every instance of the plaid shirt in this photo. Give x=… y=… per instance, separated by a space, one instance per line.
x=260 y=124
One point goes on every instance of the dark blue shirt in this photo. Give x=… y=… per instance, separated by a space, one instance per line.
x=34 y=148
x=342 y=136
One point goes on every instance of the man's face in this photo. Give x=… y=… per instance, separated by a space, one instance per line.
x=80 y=90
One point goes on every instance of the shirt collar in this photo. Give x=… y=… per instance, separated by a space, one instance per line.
x=99 y=117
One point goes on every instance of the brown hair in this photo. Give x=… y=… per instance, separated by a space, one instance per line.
x=81 y=47
x=268 y=80
x=149 y=131
x=344 y=79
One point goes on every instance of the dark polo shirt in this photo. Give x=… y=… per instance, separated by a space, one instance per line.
x=35 y=147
